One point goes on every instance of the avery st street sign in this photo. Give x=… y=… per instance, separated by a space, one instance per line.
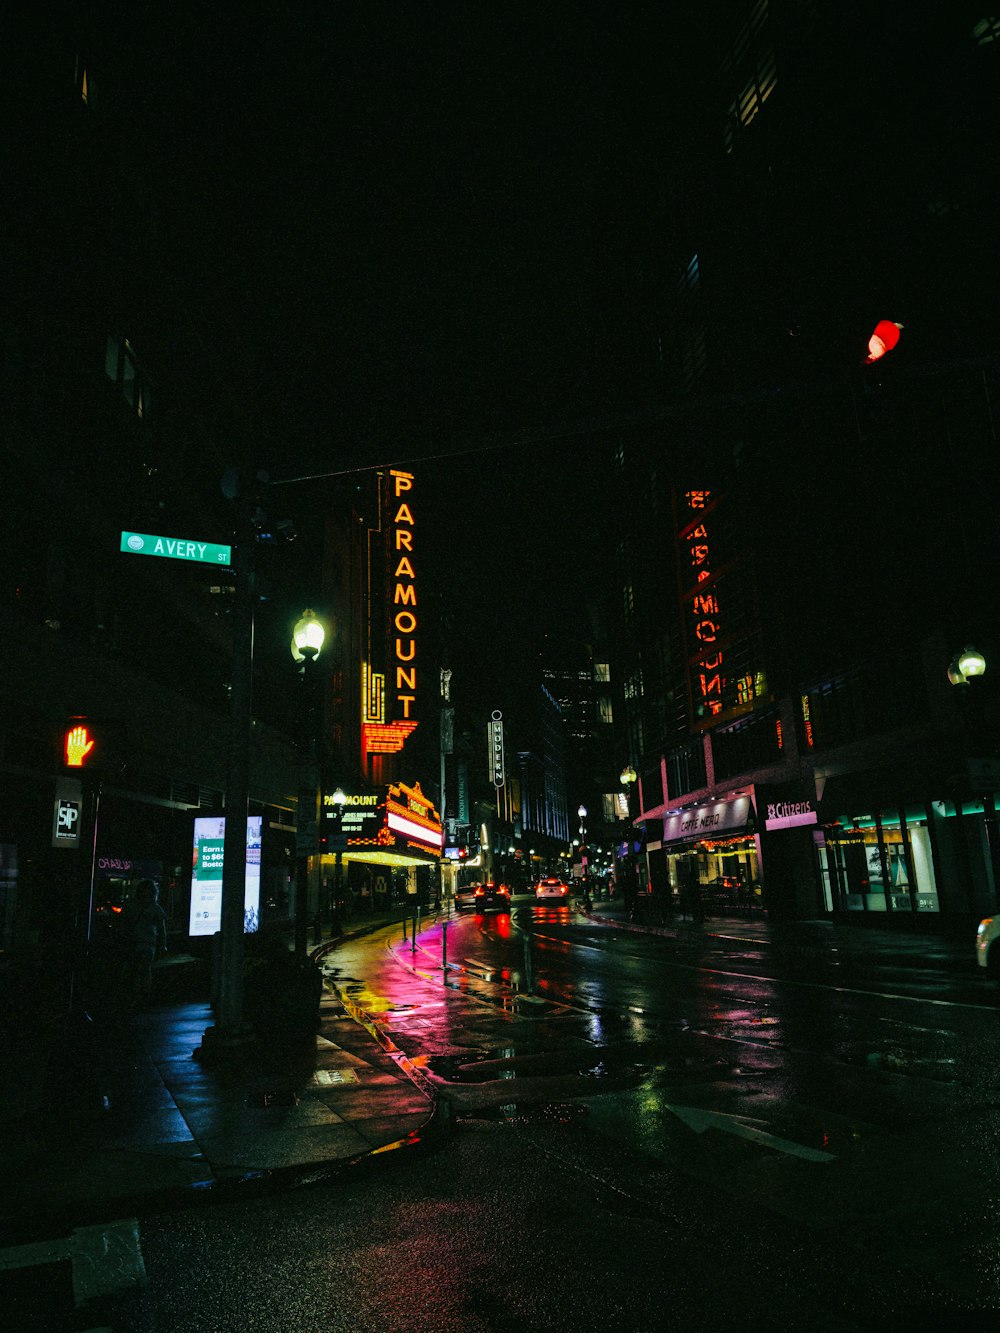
x=176 y=548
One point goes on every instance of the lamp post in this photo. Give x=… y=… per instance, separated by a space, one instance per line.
x=339 y=801
x=307 y=642
x=581 y=814
x=965 y=667
x=628 y=778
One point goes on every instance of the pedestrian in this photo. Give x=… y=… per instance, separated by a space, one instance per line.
x=144 y=933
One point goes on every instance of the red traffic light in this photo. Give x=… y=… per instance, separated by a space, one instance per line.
x=883 y=340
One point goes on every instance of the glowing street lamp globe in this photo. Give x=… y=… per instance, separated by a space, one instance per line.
x=966 y=664
x=307 y=637
x=971 y=662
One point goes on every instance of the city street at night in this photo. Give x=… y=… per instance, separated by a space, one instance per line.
x=618 y=1106
x=500 y=668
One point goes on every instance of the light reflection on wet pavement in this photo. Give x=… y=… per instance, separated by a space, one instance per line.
x=730 y=1037
x=810 y=1090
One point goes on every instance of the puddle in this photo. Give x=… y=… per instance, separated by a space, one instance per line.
x=491 y=1066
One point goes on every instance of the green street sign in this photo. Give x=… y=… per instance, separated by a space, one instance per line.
x=176 y=548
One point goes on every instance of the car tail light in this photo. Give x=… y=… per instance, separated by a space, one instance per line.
x=563 y=889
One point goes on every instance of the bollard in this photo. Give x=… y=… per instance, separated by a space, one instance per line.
x=444 y=946
x=404 y=925
x=529 y=982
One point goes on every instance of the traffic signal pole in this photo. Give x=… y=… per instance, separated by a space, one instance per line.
x=230 y=1030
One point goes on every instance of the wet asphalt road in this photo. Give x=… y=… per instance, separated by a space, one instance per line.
x=512 y=1225
x=661 y=1133
x=847 y=1081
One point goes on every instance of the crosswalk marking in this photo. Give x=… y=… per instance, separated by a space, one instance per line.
x=104 y=1258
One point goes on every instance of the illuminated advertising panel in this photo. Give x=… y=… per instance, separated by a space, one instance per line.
x=206 y=875
x=360 y=819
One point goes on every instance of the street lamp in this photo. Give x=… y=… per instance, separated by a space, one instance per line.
x=307 y=638
x=307 y=642
x=966 y=665
x=629 y=777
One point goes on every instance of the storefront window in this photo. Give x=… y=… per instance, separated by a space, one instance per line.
x=860 y=875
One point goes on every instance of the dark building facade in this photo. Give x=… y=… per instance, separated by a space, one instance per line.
x=806 y=524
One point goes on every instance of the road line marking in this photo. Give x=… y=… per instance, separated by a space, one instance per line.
x=785 y=981
x=104 y=1259
x=699 y=1120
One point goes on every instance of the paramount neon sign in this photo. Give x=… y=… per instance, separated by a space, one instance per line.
x=397 y=694
x=404 y=594
x=707 y=680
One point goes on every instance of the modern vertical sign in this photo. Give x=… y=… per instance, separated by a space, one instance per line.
x=496 y=749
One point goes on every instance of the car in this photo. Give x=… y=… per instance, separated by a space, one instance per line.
x=552 y=890
x=987 y=932
x=466 y=896
x=492 y=898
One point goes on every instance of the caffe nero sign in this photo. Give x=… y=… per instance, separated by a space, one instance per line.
x=703 y=821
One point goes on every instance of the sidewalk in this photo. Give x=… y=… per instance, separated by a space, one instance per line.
x=100 y=1118
x=121 y=1113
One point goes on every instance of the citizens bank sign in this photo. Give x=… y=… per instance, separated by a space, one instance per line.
x=789 y=814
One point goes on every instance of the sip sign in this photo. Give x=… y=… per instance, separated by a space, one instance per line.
x=496 y=749
x=67 y=813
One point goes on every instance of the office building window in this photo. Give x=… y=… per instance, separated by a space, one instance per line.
x=121 y=369
x=986 y=32
x=752 y=72
x=688 y=281
x=85 y=84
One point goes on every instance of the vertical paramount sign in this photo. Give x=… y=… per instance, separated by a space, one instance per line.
x=404 y=594
x=702 y=613
x=389 y=675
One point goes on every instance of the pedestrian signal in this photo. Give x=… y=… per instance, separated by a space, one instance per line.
x=79 y=744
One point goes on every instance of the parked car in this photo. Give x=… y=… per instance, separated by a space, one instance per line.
x=492 y=898
x=551 y=890
x=987 y=932
x=466 y=896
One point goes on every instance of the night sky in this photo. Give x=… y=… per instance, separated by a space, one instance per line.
x=400 y=227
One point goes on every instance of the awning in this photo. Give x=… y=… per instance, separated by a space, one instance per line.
x=707 y=821
x=374 y=856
